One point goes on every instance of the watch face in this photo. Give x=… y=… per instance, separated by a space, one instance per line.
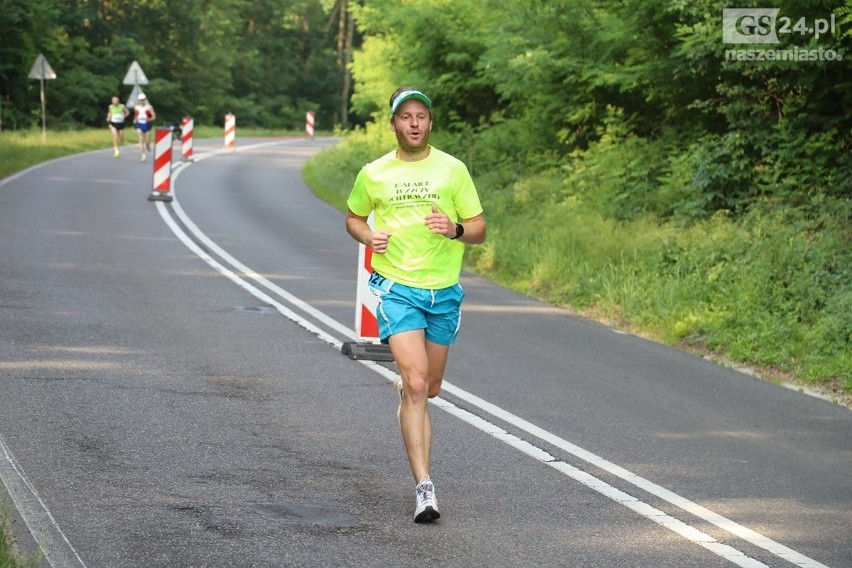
x=459 y=230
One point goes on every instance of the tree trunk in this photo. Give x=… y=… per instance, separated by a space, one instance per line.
x=346 y=29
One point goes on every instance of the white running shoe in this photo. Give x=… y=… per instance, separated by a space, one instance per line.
x=143 y=158
x=427 y=503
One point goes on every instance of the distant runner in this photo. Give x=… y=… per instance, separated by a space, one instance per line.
x=117 y=113
x=144 y=116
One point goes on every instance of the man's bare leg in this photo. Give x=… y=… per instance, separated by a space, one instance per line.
x=409 y=351
x=421 y=364
x=437 y=357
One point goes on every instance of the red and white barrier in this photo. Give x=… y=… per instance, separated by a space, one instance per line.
x=366 y=324
x=368 y=345
x=162 y=165
x=309 y=123
x=186 y=127
x=230 y=131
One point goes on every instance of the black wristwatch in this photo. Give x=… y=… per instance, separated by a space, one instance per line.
x=459 y=231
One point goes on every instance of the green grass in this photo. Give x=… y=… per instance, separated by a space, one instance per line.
x=22 y=149
x=9 y=556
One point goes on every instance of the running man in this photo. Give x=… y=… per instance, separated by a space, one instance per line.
x=117 y=113
x=426 y=209
x=143 y=117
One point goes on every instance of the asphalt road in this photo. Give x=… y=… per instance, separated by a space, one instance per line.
x=172 y=394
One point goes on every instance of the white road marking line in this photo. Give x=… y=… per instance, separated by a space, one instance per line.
x=252 y=275
x=254 y=291
x=681 y=502
x=52 y=542
x=55 y=546
x=690 y=533
x=675 y=525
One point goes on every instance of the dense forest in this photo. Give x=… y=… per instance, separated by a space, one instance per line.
x=266 y=61
x=670 y=165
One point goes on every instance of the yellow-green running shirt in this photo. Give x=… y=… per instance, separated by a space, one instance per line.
x=402 y=194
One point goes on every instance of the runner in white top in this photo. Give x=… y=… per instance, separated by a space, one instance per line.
x=143 y=117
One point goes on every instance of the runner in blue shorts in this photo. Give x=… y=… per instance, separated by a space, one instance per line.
x=143 y=118
x=404 y=308
x=426 y=209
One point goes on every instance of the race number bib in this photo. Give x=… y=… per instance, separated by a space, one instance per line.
x=118 y=117
x=379 y=285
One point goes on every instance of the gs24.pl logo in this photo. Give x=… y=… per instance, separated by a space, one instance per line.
x=763 y=25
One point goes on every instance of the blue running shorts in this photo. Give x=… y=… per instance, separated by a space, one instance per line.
x=403 y=308
x=143 y=126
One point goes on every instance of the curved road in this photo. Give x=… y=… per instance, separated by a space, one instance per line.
x=172 y=394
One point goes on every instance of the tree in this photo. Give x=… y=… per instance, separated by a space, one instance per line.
x=265 y=61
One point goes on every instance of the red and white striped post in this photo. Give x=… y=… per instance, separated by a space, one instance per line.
x=162 y=165
x=309 y=123
x=368 y=345
x=186 y=127
x=366 y=324
x=230 y=131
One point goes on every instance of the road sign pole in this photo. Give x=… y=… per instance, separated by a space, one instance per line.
x=43 y=110
x=42 y=70
x=43 y=104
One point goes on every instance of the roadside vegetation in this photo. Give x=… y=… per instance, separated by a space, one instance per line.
x=24 y=148
x=769 y=289
x=10 y=557
x=632 y=172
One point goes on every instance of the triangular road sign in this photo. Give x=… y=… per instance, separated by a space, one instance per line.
x=135 y=75
x=42 y=69
x=134 y=97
